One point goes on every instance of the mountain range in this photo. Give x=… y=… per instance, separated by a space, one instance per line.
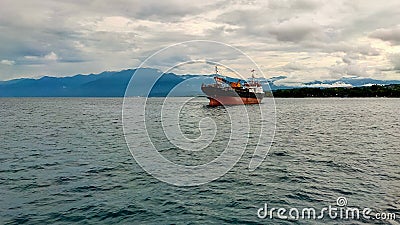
x=114 y=84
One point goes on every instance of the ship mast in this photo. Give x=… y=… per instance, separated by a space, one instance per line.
x=216 y=74
x=252 y=76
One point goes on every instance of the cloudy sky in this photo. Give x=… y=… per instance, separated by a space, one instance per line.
x=304 y=40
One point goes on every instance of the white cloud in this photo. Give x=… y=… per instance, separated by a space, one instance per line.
x=369 y=85
x=51 y=56
x=336 y=84
x=349 y=66
x=33 y=59
x=7 y=62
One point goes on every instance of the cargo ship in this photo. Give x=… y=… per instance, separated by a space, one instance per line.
x=226 y=91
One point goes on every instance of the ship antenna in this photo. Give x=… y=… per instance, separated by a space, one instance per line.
x=216 y=70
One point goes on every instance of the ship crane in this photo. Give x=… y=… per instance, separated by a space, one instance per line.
x=233 y=84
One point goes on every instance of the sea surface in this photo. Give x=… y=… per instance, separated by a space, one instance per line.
x=65 y=160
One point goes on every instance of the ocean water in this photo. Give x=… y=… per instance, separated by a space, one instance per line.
x=66 y=161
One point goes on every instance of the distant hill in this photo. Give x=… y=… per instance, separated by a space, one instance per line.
x=63 y=86
x=114 y=84
x=105 y=84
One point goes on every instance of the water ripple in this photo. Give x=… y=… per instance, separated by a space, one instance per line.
x=66 y=161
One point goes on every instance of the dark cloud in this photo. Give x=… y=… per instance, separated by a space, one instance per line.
x=388 y=34
x=296 y=30
x=68 y=37
x=166 y=10
x=294 y=66
x=298 y=5
x=395 y=59
x=306 y=4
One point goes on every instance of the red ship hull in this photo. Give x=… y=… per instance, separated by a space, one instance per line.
x=227 y=96
x=226 y=100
